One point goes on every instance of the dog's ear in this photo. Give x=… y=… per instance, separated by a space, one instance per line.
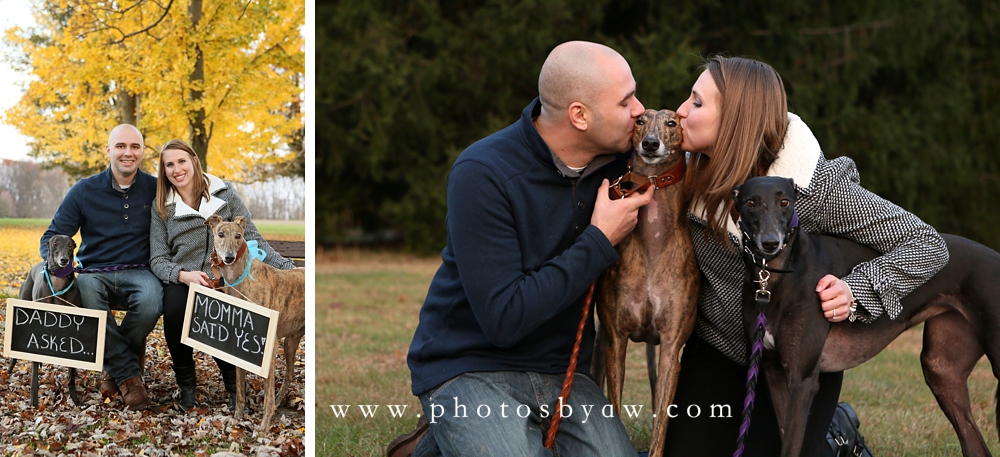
x=736 y=193
x=241 y=221
x=213 y=220
x=791 y=182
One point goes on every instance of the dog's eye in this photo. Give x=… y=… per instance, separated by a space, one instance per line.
x=238 y=236
x=639 y=122
x=750 y=204
x=784 y=202
x=671 y=124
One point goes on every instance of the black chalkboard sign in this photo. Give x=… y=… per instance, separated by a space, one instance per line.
x=56 y=334
x=234 y=330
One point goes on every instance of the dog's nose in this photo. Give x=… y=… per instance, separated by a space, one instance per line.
x=769 y=245
x=650 y=144
x=230 y=259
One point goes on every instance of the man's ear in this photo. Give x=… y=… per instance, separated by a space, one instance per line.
x=579 y=115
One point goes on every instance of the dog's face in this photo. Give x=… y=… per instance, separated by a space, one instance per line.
x=657 y=135
x=767 y=206
x=228 y=236
x=61 y=249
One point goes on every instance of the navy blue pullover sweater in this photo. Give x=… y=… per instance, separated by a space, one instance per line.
x=113 y=225
x=520 y=256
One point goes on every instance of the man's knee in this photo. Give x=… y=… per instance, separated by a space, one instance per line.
x=93 y=292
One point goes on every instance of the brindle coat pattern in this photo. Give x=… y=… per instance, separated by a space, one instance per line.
x=959 y=307
x=272 y=288
x=650 y=295
x=35 y=288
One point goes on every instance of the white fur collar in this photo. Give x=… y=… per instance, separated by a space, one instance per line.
x=797 y=159
x=207 y=207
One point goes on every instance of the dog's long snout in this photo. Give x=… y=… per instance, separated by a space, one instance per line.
x=229 y=259
x=770 y=244
x=63 y=261
x=650 y=143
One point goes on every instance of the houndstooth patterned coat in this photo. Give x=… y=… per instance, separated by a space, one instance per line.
x=830 y=201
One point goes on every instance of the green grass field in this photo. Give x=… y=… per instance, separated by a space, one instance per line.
x=367 y=307
x=291 y=230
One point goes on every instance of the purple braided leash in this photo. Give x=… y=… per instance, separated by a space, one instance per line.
x=111 y=268
x=755 y=353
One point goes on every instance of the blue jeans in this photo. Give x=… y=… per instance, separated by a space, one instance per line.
x=140 y=294
x=508 y=413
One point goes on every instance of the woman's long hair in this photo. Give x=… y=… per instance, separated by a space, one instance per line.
x=753 y=119
x=164 y=186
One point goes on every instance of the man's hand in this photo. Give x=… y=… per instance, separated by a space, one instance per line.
x=617 y=218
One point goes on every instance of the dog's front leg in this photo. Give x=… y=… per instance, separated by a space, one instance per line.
x=265 y=421
x=615 y=354
x=34 y=383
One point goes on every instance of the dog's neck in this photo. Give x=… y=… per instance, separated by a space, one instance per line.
x=232 y=272
x=64 y=272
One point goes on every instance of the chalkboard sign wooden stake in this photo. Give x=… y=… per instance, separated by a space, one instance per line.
x=55 y=334
x=232 y=329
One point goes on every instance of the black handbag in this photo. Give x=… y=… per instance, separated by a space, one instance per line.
x=843 y=436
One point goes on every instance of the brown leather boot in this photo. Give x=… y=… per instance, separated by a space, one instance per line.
x=404 y=444
x=109 y=388
x=134 y=393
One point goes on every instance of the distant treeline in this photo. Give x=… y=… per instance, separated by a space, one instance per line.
x=909 y=89
x=28 y=189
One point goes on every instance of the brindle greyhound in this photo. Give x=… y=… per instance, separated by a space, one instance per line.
x=280 y=290
x=52 y=281
x=650 y=295
x=960 y=308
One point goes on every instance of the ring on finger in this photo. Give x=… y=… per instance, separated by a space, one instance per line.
x=835 y=313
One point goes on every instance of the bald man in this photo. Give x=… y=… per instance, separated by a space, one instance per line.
x=111 y=212
x=530 y=228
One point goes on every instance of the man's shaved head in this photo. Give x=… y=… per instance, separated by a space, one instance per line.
x=120 y=128
x=575 y=71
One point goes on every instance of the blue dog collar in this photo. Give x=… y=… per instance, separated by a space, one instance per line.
x=253 y=252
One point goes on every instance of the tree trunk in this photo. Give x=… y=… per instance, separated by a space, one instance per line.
x=128 y=107
x=199 y=134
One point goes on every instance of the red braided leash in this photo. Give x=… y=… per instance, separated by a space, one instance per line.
x=550 y=436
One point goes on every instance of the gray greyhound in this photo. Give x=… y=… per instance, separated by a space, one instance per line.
x=52 y=281
x=960 y=308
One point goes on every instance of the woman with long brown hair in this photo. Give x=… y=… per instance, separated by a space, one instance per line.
x=737 y=126
x=180 y=245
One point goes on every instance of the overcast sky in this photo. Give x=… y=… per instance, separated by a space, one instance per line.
x=12 y=144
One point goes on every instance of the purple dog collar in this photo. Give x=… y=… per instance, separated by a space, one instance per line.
x=63 y=272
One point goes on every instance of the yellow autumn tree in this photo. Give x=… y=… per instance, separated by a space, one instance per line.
x=226 y=76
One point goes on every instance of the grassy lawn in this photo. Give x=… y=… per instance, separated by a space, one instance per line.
x=367 y=306
x=276 y=229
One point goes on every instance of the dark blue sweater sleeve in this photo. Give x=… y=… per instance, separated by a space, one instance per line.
x=508 y=300
x=66 y=221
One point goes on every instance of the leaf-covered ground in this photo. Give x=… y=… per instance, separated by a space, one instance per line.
x=98 y=427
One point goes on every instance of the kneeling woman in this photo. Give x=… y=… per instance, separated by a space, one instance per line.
x=180 y=245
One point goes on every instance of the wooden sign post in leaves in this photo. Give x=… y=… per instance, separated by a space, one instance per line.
x=55 y=334
x=234 y=330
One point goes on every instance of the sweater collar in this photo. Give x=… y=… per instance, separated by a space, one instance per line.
x=798 y=158
x=541 y=149
x=207 y=208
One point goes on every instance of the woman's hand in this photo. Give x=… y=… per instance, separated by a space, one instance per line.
x=194 y=277
x=836 y=298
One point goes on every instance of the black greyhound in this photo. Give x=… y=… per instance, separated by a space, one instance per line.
x=52 y=281
x=960 y=307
